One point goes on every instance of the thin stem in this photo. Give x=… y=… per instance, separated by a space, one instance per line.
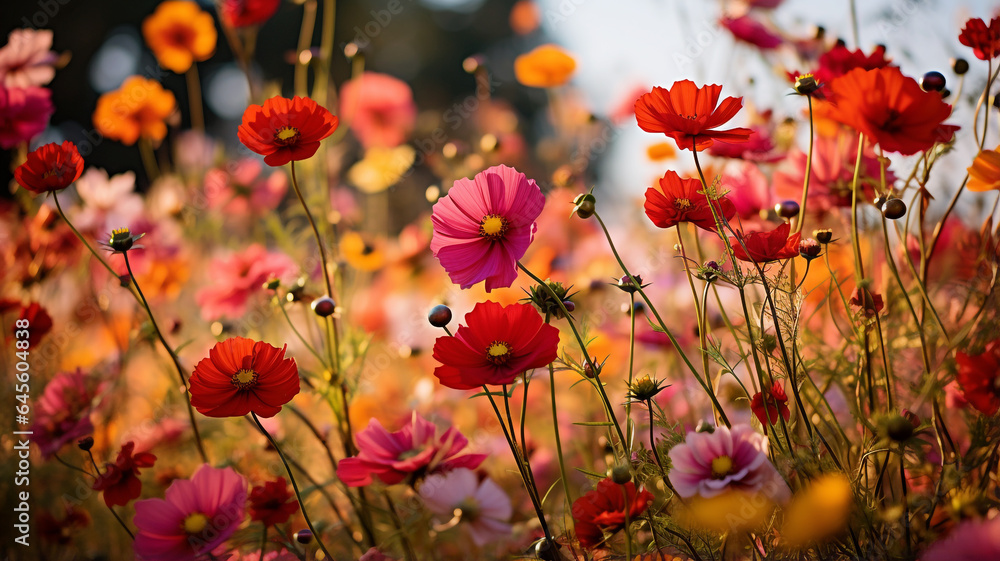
x=305 y=39
x=805 y=187
x=194 y=99
x=398 y=524
x=80 y=237
x=113 y=513
x=859 y=271
x=629 y=425
x=628 y=535
x=555 y=429
x=263 y=543
x=149 y=159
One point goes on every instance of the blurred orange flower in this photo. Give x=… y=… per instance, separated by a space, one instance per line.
x=546 y=66
x=525 y=17
x=179 y=33
x=984 y=173
x=137 y=109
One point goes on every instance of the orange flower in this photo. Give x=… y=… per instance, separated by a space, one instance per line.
x=544 y=67
x=180 y=33
x=689 y=114
x=138 y=108
x=890 y=108
x=984 y=173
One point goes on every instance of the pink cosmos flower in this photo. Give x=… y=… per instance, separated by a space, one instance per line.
x=379 y=108
x=195 y=516
x=485 y=507
x=708 y=464
x=747 y=29
x=373 y=554
x=62 y=413
x=27 y=59
x=484 y=225
x=24 y=113
x=109 y=202
x=972 y=540
x=239 y=277
x=412 y=452
x=241 y=190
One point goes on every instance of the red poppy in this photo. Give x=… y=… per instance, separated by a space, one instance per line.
x=984 y=39
x=866 y=301
x=52 y=167
x=120 y=480
x=979 y=376
x=243 y=13
x=603 y=510
x=499 y=343
x=272 y=503
x=767 y=404
x=891 y=109
x=689 y=114
x=242 y=375
x=283 y=130
x=678 y=200
x=39 y=323
x=765 y=247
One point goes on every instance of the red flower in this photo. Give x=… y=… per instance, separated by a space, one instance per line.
x=891 y=109
x=50 y=168
x=979 y=376
x=120 y=480
x=749 y=29
x=244 y=13
x=868 y=302
x=840 y=60
x=285 y=129
x=984 y=39
x=678 y=200
x=767 y=404
x=59 y=530
x=39 y=323
x=689 y=114
x=765 y=247
x=499 y=344
x=603 y=510
x=272 y=503
x=242 y=375
x=24 y=114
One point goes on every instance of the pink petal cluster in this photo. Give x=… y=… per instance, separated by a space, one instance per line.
x=750 y=30
x=410 y=453
x=484 y=225
x=484 y=505
x=242 y=190
x=27 y=59
x=109 y=202
x=24 y=114
x=972 y=540
x=239 y=277
x=709 y=464
x=379 y=108
x=62 y=413
x=195 y=516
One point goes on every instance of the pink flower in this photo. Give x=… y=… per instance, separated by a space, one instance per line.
x=279 y=555
x=708 y=464
x=484 y=225
x=195 y=516
x=24 y=113
x=109 y=202
x=972 y=540
x=412 y=452
x=759 y=148
x=373 y=554
x=746 y=28
x=484 y=506
x=239 y=277
x=241 y=190
x=379 y=108
x=27 y=59
x=62 y=413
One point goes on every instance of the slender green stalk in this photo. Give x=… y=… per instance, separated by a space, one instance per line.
x=555 y=428
x=194 y=98
x=859 y=270
x=398 y=524
x=805 y=186
x=263 y=543
x=80 y=237
x=149 y=159
x=628 y=534
x=305 y=39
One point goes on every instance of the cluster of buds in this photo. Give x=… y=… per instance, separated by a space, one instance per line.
x=542 y=298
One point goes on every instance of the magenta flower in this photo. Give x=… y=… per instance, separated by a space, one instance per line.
x=972 y=540
x=62 y=413
x=195 y=516
x=242 y=189
x=237 y=278
x=379 y=109
x=27 y=59
x=485 y=507
x=484 y=225
x=24 y=114
x=408 y=454
x=709 y=464
x=746 y=28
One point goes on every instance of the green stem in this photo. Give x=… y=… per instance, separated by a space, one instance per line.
x=859 y=270
x=805 y=187
x=80 y=237
x=305 y=39
x=113 y=513
x=263 y=543
x=628 y=535
x=555 y=428
x=398 y=524
x=194 y=98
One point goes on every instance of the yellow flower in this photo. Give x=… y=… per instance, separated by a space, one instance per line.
x=381 y=168
x=818 y=512
x=546 y=66
x=984 y=173
x=179 y=33
x=359 y=254
x=732 y=511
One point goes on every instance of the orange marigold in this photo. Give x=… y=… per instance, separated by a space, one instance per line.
x=179 y=33
x=139 y=108
x=544 y=67
x=984 y=173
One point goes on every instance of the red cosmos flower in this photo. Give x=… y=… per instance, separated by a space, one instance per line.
x=120 y=480
x=984 y=39
x=689 y=114
x=242 y=375
x=50 y=168
x=765 y=247
x=891 y=109
x=603 y=510
x=499 y=344
x=840 y=60
x=678 y=200
x=868 y=302
x=283 y=130
x=24 y=114
x=244 y=13
x=767 y=404
x=39 y=323
x=979 y=376
x=272 y=503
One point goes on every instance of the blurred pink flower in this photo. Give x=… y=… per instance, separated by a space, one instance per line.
x=27 y=59
x=748 y=189
x=235 y=279
x=241 y=190
x=279 y=555
x=972 y=540
x=24 y=113
x=109 y=202
x=373 y=554
x=759 y=148
x=414 y=451
x=195 y=516
x=379 y=109
x=62 y=413
x=484 y=505
x=747 y=29
x=708 y=464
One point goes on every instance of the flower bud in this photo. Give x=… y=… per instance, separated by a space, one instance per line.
x=586 y=205
x=787 y=209
x=704 y=427
x=621 y=474
x=806 y=84
x=304 y=537
x=625 y=284
x=324 y=306
x=932 y=81
x=894 y=209
x=809 y=249
x=85 y=443
x=899 y=428
x=959 y=65
x=272 y=284
x=823 y=236
x=439 y=316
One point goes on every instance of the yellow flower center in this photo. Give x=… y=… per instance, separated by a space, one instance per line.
x=244 y=379
x=493 y=227
x=195 y=523
x=286 y=136
x=682 y=204
x=721 y=467
x=498 y=353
